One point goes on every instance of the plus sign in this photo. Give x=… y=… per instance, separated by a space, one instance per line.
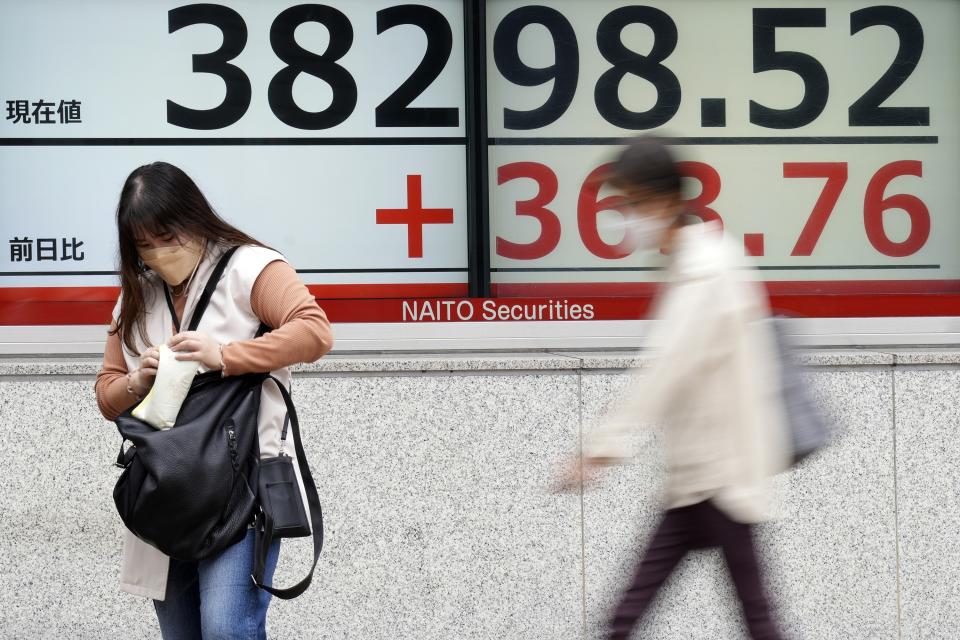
x=414 y=216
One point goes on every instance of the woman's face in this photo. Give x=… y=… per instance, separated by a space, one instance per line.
x=174 y=256
x=146 y=241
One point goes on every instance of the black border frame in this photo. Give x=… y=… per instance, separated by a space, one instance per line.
x=475 y=121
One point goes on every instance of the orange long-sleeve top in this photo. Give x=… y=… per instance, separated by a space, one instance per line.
x=300 y=332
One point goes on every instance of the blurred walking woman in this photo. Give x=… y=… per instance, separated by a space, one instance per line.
x=170 y=237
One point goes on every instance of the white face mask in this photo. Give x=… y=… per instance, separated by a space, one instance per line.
x=641 y=232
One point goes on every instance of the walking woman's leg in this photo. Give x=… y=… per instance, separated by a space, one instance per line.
x=231 y=606
x=739 y=550
x=179 y=613
x=665 y=550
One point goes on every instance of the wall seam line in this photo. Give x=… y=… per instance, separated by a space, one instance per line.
x=583 y=545
x=583 y=536
x=896 y=494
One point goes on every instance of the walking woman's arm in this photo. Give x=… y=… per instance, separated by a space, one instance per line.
x=300 y=329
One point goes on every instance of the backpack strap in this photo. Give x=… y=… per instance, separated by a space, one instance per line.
x=171 y=307
x=209 y=288
x=264 y=525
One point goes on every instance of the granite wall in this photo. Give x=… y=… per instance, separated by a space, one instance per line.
x=433 y=471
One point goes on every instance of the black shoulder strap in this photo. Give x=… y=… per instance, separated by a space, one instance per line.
x=209 y=288
x=173 y=309
x=316 y=515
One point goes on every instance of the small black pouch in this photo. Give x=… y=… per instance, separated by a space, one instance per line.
x=281 y=513
x=280 y=498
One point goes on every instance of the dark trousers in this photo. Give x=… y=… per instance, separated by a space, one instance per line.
x=696 y=527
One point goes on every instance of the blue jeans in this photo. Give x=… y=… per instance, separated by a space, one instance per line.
x=215 y=599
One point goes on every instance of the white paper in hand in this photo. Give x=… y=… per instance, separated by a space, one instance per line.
x=162 y=404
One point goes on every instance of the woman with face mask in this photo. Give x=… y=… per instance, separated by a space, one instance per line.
x=710 y=386
x=170 y=241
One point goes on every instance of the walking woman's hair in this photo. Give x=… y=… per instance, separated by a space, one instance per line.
x=161 y=200
x=646 y=162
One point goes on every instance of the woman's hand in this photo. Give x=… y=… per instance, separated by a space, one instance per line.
x=197 y=346
x=578 y=473
x=142 y=379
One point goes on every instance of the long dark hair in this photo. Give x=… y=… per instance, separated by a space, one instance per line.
x=160 y=199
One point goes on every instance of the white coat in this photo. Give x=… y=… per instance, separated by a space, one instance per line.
x=713 y=383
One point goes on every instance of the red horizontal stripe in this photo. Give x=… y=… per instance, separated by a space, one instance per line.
x=528 y=289
x=634 y=308
x=59 y=294
x=868 y=306
x=384 y=303
x=27 y=306
x=391 y=310
x=446 y=310
x=59 y=312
